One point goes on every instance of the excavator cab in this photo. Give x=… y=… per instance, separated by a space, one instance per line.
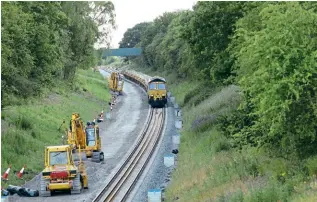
x=91 y=136
x=60 y=172
x=93 y=142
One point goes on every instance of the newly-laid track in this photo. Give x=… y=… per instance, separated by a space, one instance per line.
x=127 y=175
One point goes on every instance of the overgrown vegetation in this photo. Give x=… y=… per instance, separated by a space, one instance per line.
x=44 y=43
x=110 y=60
x=245 y=74
x=44 y=46
x=33 y=126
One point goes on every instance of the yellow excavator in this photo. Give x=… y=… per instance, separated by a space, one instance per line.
x=61 y=173
x=87 y=138
x=116 y=82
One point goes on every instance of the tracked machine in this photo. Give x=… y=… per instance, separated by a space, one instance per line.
x=61 y=173
x=116 y=82
x=86 y=138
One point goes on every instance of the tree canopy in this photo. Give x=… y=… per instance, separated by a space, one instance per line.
x=43 y=42
x=277 y=66
x=133 y=35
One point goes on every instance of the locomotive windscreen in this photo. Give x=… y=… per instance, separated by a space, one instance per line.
x=152 y=86
x=161 y=86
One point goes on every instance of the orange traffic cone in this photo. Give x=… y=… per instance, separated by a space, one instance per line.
x=21 y=172
x=5 y=175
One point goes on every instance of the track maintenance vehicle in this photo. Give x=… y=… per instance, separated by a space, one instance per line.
x=87 y=138
x=116 y=82
x=61 y=173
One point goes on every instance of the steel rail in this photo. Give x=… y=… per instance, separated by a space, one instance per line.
x=97 y=198
x=145 y=147
x=147 y=159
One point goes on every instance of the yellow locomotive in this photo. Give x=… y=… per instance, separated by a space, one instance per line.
x=157 y=92
x=155 y=87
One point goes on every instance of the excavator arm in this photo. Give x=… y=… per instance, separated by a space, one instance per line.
x=77 y=135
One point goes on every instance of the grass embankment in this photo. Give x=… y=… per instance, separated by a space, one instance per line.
x=210 y=170
x=28 y=128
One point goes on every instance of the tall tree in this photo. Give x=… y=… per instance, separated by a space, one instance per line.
x=153 y=36
x=208 y=36
x=46 y=41
x=277 y=67
x=174 y=49
x=133 y=35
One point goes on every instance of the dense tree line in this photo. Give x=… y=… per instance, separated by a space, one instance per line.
x=45 y=42
x=269 y=49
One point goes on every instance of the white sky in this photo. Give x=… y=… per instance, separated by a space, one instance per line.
x=132 y=12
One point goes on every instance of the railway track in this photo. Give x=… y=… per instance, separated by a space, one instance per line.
x=121 y=184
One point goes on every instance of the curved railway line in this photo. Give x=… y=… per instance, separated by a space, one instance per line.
x=122 y=182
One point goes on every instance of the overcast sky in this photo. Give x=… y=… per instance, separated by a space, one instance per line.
x=130 y=13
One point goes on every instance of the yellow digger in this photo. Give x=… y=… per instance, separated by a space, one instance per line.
x=116 y=82
x=88 y=139
x=61 y=173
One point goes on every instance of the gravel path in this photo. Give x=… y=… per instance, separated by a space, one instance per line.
x=118 y=135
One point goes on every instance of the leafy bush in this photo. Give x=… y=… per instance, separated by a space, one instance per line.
x=311 y=166
x=279 y=75
x=196 y=95
x=23 y=123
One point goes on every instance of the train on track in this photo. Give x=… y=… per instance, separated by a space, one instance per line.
x=157 y=92
x=155 y=87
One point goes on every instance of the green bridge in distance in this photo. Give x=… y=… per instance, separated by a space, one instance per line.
x=123 y=52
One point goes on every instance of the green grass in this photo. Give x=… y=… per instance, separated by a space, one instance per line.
x=90 y=73
x=209 y=169
x=34 y=126
x=95 y=84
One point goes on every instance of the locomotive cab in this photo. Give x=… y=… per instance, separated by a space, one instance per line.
x=157 y=92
